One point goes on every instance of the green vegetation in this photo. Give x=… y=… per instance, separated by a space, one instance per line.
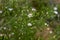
x=29 y=20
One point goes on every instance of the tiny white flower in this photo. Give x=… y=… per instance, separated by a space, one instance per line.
x=30 y=15
x=1 y=34
x=22 y=33
x=55 y=8
x=46 y=24
x=6 y=7
x=46 y=12
x=54 y=36
x=4 y=28
x=29 y=24
x=12 y=33
x=10 y=9
x=19 y=37
x=55 y=12
x=9 y=35
x=22 y=11
x=48 y=28
x=50 y=32
x=27 y=10
x=1 y=11
x=33 y=9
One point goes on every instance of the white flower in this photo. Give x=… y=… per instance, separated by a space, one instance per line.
x=54 y=36
x=12 y=33
x=46 y=12
x=9 y=35
x=1 y=34
x=55 y=8
x=27 y=10
x=19 y=37
x=46 y=24
x=1 y=11
x=33 y=9
x=22 y=33
x=6 y=7
x=50 y=32
x=4 y=28
x=55 y=12
x=10 y=9
x=30 y=15
x=48 y=28
x=29 y=24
